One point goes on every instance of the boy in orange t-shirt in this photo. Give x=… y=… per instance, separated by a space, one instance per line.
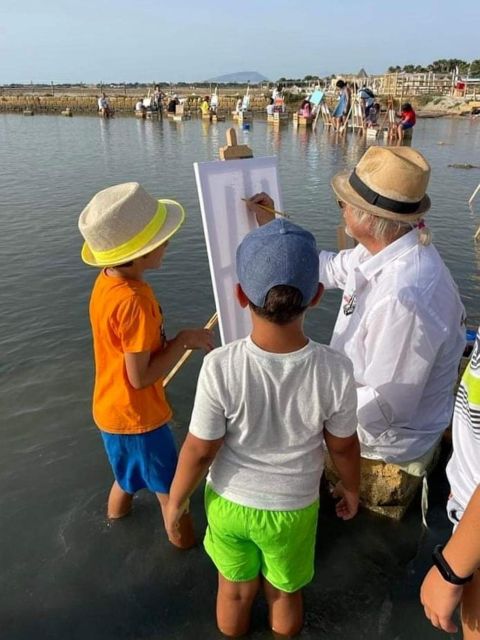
x=126 y=232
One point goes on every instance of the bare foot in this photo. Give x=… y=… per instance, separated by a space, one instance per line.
x=117 y=516
x=119 y=502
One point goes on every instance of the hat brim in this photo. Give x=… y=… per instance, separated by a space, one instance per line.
x=174 y=220
x=345 y=192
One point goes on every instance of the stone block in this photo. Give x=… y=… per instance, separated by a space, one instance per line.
x=384 y=487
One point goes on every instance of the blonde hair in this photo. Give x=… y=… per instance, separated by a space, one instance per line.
x=390 y=230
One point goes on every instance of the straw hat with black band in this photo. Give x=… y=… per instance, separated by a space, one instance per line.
x=389 y=182
x=125 y=222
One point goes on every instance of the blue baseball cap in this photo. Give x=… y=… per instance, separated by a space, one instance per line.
x=278 y=253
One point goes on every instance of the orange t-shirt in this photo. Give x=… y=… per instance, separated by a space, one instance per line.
x=125 y=318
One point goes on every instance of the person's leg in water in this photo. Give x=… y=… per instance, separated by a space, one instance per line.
x=471 y=609
x=186 y=539
x=119 y=502
x=285 y=610
x=234 y=605
x=400 y=132
x=288 y=559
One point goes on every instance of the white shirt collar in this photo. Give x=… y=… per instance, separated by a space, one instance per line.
x=375 y=263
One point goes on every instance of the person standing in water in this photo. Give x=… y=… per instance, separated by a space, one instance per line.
x=126 y=232
x=264 y=409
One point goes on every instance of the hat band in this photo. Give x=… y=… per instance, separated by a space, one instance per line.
x=372 y=197
x=137 y=242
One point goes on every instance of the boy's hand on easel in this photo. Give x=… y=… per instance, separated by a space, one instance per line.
x=347 y=507
x=197 y=339
x=258 y=204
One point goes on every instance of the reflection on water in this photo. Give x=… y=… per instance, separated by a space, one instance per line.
x=66 y=572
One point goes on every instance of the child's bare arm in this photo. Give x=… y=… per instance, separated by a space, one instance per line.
x=194 y=460
x=345 y=454
x=462 y=552
x=144 y=368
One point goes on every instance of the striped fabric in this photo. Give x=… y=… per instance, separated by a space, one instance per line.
x=464 y=467
x=468 y=397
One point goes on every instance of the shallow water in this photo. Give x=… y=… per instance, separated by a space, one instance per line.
x=66 y=572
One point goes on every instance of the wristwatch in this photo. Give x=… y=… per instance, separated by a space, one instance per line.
x=445 y=569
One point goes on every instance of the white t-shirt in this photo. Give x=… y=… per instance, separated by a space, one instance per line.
x=401 y=323
x=272 y=409
x=463 y=470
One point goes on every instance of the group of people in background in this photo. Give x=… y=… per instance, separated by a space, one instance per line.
x=370 y=108
x=340 y=115
x=152 y=104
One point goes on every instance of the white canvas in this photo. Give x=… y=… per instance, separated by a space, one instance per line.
x=226 y=220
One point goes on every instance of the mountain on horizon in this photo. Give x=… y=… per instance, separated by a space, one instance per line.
x=242 y=77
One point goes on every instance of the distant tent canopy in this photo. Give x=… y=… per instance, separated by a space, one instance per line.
x=362 y=73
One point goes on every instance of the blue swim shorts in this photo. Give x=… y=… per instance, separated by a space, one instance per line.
x=407 y=125
x=142 y=460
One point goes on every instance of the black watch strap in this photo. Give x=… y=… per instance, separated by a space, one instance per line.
x=445 y=569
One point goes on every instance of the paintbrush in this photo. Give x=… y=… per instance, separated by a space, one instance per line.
x=269 y=209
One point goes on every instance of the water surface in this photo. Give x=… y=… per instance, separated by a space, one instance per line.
x=65 y=571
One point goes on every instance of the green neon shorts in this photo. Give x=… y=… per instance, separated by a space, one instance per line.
x=244 y=542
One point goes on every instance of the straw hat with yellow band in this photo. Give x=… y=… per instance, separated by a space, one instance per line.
x=125 y=222
x=388 y=182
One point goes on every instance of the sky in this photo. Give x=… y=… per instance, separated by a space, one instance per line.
x=94 y=41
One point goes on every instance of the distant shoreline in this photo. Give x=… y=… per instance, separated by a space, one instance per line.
x=123 y=101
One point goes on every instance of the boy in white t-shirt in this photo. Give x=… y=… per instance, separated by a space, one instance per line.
x=264 y=408
x=455 y=577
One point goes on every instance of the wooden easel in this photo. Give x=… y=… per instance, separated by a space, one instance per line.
x=470 y=205
x=390 y=131
x=326 y=114
x=232 y=151
x=358 y=114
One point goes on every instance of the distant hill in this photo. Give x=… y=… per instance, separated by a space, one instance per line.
x=242 y=77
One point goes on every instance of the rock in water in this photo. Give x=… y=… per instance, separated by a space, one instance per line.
x=464 y=165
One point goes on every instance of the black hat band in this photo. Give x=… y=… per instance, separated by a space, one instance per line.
x=372 y=197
